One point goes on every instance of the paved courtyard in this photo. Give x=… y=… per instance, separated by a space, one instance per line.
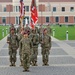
x=61 y=60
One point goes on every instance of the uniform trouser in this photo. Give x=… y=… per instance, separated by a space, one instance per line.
x=26 y=61
x=34 y=54
x=20 y=53
x=45 y=55
x=12 y=53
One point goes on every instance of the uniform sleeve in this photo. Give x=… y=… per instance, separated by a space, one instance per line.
x=17 y=41
x=50 y=41
x=20 y=44
x=8 y=39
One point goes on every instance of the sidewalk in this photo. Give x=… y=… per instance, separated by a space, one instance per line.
x=2 y=42
x=63 y=44
x=61 y=60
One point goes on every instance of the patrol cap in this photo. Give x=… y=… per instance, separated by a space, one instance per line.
x=45 y=29
x=12 y=29
x=25 y=33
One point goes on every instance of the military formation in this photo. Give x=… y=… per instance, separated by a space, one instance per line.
x=26 y=40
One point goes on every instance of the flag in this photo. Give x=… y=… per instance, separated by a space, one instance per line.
x=34 y=15
x=22 y=9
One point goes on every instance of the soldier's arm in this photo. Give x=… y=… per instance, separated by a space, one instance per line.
x=8 y=39
x=20 y=44
x=50 y=41
x=37 y=40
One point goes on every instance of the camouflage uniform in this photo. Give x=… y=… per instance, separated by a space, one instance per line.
x=12 y=27
x=35 y=41
x=27 y=29
x=37 y=30
x=20 y=36
x=12 y=40
x=49 y=30
x=18 y=29
x=40 y=30
x=25 y=45
x=45 y=41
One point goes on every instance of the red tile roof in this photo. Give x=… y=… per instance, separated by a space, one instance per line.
x=56 y=0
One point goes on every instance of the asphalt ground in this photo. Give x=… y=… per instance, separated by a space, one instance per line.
x=61 y=60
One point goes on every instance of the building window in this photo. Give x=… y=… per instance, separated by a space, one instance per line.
x=71 y=8
x=47 y=19
x=56 y=19
x=17 y=9
x=4 y=9
x=17 y=20
x=27 y=8
x=74 y=19
x=63 y=9
x=66 y=19
x=26 y=20
x=54 y=9
x=3 y=19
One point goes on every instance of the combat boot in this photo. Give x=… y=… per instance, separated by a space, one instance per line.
x=14 y=64
x=21 y=64
x=25 y=70
x=35 y=63
x=11 y=64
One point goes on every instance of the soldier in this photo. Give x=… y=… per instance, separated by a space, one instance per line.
x=25 y=45
x=12 y=27
x=40 y=30
x=45 y=41
x=37 y=30
x=12 y=40
x=18 y=29
x=20 y=36
x=35 y=42
x=27 y=29
x=49 y=30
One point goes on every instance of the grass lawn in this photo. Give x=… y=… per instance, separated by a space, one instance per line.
x=60 y=32
x=5 y=32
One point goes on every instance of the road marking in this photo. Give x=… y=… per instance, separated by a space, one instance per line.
x=39 y=56
x=54 y=65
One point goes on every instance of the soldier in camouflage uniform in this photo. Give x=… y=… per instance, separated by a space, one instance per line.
x=12 y=40
x=27 y=29
x=45 y=41
x=49 y=31
x=37 y=30
x=20 y=36
x=19 y=29
x=41 y=30
x=12 y=27
x=25 y=45
x=35 y=42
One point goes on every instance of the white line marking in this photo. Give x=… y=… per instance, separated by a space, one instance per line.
x=55 y=65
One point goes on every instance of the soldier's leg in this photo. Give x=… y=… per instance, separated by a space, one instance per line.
x=35 y=54
x=43 y=56
x=20 y=54
x=10 y=58
x=47 y=57
x=25 y=61
x=14 y=56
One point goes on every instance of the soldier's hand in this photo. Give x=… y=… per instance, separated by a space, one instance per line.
x=8 y=42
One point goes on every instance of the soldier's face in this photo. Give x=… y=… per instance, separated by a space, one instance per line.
x=45 y=31
x=25 y=35
x=12 y=31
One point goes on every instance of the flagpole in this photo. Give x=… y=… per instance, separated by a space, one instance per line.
x=22 y=12
x=41 y=14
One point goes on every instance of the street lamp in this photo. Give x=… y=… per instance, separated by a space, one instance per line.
x=9 y=14
x=41 y=14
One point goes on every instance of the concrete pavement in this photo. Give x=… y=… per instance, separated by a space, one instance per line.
x=61 y=60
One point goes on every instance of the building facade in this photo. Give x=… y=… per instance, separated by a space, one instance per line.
x=49 y=11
